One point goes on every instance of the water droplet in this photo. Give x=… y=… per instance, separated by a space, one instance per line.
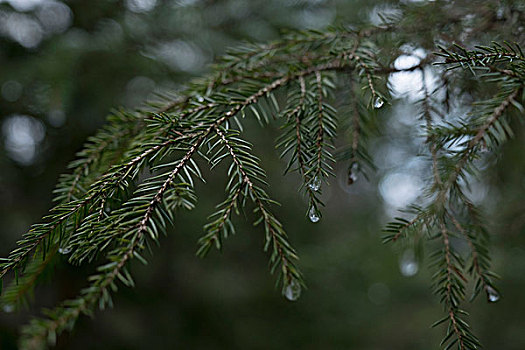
x=352 y=173
x=200 y=98
x=378 y=103
x=292 y=291
x=64 y=250
x=313 y=215
x=7 y=308
x=492 y=294
x=315 y=184
x=408 y=264
x=352 y=177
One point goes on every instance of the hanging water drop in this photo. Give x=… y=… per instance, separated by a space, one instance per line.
x=315 y=184
x=313 y=215
x=408 y=264
x=292 y=291
x=492 y=294
x=64 y=250
x=7 y=308
x=378 y=103
x=352 y=173
x=352 y=177
x=200 y=98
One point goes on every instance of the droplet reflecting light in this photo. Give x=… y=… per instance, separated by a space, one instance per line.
x=315 y=184
x=292 y=291
x=313 y=215
x=352 y=177
x=492 y=294
x=64 y=250
x=378 y=103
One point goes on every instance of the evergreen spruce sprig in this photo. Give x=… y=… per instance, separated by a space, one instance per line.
x=402 y=228
x=484 y=56
x=246 y=176
x=42 y=332
x=479 y=265
x=449 y=280
x=135 y=218
x=309 y=135
x=449 y=285
x=144 y=215
x=369 y=79
x=454 y=167
x=221 y=225
x=98 y=154
x=359 y=126
x=295 y=140
x=454 y=148
x=368 y=69
x=134 y=175
x=121 y=128
x=321 y=122
x=20 y=291
x=119 y=177
x=66 y=217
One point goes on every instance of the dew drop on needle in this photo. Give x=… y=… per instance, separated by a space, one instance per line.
x=292 y=291
x=315 y=184
x=313 y=215
x=492 y=294
x=378 y=103
x=64 y=250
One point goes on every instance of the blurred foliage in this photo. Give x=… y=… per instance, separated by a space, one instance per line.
x=63 y=65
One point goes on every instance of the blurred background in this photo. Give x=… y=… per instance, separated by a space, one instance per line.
x=65 y=64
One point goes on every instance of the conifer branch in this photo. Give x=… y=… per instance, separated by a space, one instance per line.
x=399 y=228
x=38 y=332
x=75 y=210
x=320 y=124
x=276 y=238
x=295 y=138
x=134 y=174
x=480 y=133
x=17 y=292
x=113 y=138
x=298 y=133
x=479 y=261
x=427 y=115
x=120 y=255
x=449 y=281
x=449 y=285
